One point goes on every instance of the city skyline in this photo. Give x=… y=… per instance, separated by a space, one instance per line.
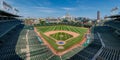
x=53 y=8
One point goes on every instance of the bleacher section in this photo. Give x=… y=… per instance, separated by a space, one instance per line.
x=113 y=24
x=111 y=51
x=109 y=54
x=88 y=52
x=116 y=25
x=117 y=34
x=21 y=44
x=6 y=26
x=10 y=28
x=7 y=50
x=109 y=36
x=37 y=49
x=71 y=53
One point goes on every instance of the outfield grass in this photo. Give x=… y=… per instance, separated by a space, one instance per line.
x=79 y=30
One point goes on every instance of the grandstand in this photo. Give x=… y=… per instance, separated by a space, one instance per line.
x=107 y=42
x=20 y=42
x=10 y=29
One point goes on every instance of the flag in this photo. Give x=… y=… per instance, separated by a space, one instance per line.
x=6 y=6
x=16 y=10
x=114 y=9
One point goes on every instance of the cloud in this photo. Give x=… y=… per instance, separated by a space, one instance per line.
x=68 y=8
x=80 y=7
x=86 y=7
x=42 y=7
x=45 y=9
x=10 y=2
x=42 y=2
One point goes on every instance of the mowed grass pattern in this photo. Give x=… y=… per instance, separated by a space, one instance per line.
x=79 y=30
x=61 y=36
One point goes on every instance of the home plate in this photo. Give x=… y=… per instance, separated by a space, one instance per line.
x=61 y=42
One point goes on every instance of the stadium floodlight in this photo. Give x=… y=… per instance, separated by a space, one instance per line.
x=15 y=11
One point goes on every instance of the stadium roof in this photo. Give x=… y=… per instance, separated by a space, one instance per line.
x=114 y=16
x=3 y=13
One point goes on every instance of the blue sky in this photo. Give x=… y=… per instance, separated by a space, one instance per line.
x=58 y=8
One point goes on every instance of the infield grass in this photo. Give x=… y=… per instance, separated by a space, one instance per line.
x=61 y=36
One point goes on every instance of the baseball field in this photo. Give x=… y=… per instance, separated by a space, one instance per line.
x=62 y=37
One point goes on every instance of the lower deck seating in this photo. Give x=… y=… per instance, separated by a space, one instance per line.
x=109 y=54
x=8 y=48
x=117 y=34
x=55 y=58
x=113 y=23
x=88 y=52
x=111 y=51
x=7 y=26
x=38 y=51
